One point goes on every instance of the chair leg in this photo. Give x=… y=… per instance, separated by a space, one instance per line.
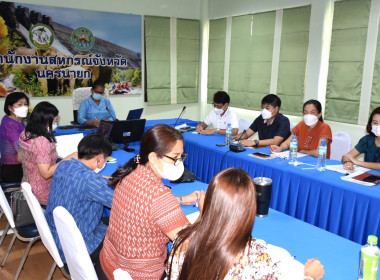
x=8 y=250
x=31 y=242
x=51 y=272
x=5 y=232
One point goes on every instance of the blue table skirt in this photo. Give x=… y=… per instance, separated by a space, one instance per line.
x=319 y=198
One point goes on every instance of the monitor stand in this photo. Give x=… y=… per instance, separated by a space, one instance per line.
x=125 y=148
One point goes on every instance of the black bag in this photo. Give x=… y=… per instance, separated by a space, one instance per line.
x=20 y=209
x=187 y=177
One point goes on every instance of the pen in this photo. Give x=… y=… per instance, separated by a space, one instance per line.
x=196 y=203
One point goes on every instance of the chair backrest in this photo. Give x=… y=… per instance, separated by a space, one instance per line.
x=74 y=248
x=120 y=274
x=41 y=223
x=6 y=209
x=81 y=94
x=244 y=124
x=340 y=145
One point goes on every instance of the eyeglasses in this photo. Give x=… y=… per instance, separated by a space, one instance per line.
x=178 y=160
x=217 y=107
x=101 y=93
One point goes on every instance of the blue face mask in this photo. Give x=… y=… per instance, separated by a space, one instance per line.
x=97 y=96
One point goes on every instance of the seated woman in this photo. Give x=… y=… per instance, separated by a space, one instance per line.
x=219 y=244
x=37 y=151
x=145 y=215
x=368 y=145
x=96 y=108
x=16 y=109
x=310 y=131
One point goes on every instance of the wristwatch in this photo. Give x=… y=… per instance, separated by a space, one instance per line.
x=256 y=143
x=217 y=131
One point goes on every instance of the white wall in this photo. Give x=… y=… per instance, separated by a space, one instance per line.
x=122 y=104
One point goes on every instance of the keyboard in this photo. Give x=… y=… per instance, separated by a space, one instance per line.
x=80 y=127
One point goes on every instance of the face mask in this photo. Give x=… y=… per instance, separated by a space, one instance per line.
x=310 y=119
x=266 y=114
x=218 y=111
x=21 y=112
x=54 y=126
x=97 y=170
x=171 y=172
x=97 y=96
x=376 y=130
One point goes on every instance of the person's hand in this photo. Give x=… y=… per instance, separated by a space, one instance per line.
x=247 y=143
x=201 y=201
x=314 y=269
x=96 y=122
x=349 y=165
x=199 y=128
x=208 y=131
x=107 y=177
x=275 y=149
x=192 y=198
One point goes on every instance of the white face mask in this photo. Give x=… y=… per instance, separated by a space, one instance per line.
x=218 y=111
x=97 y=170
x=310 y=119
x=54 y=126
x=21 y=112
x=171 y=172
x=376 y=130
x=266 y=114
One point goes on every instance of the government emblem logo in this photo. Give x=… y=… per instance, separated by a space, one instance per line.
x=41 y=36
x=82 y=39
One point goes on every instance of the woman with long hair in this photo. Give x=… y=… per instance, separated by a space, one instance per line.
x=145 y=215
x=369 y=145
x=219 y=244
x=37 y=151
x=310 y=131
x=15 y=109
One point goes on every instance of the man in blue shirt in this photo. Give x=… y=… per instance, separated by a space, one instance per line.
x=77 y=187
x=273 y=127
x=96 y=107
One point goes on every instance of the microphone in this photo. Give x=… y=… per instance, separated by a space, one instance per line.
x=238 y=148
x=112 y=119
x=183 y=110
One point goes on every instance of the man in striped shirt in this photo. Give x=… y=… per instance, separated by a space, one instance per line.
x=77 y=187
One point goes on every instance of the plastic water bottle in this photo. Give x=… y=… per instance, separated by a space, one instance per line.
x=293 y=150
x=228 y=134
x=322 y=151
x=369 y=259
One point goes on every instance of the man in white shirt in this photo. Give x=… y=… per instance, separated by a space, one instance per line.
x=220 y=117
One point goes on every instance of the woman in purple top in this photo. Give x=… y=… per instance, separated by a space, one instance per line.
x=16 y=109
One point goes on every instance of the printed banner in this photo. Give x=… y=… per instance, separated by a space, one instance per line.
x=51 y=51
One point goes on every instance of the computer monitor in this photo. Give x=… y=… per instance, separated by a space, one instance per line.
x=135 y=114
x=104 y=128
x=127 y=131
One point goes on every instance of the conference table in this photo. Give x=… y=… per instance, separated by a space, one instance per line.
x=339 y=256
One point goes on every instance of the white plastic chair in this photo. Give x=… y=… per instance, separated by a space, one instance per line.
x=27 y=233
x=244 y=124
x=43 y=228
x=120 y=274
x=340 y=145
x=74 y=248
x=81 y=94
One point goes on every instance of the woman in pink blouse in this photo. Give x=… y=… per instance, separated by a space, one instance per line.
x=37 y=151
x=16 y=109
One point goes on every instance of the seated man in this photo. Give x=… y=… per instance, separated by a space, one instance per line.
x=273 y=127
x=220 y=117
x=77 y=187
x=96 y=108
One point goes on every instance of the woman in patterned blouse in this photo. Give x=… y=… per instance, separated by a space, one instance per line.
x=219 y=244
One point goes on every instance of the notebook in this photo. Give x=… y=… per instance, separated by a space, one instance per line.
x=67 y=144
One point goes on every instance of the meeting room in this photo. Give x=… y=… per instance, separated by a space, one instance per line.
x=202 y=139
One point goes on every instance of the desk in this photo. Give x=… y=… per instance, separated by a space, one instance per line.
x=171 y=122
x=318 y=198
x=58 y=131
x=339 y=256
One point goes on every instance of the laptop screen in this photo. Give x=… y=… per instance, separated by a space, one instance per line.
x=104 y=128
x=135 y=114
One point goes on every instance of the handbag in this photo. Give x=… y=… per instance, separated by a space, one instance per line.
x=20 y=209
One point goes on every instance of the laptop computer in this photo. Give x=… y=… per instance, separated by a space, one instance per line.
x=104 y=128
x=135 y=114
x=127 y=131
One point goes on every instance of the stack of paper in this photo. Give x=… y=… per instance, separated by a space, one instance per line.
x=67 y=144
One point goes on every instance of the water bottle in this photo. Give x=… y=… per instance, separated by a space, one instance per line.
x=228 y=134
x=369 y=259
x=293 y=150
x=322 y=151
